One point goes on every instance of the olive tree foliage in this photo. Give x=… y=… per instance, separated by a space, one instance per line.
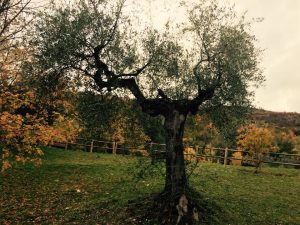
x=227 y=61
x=67 y=35
x=214 y=53
x=209 y=63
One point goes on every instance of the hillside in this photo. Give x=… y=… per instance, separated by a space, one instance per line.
x=286 y=120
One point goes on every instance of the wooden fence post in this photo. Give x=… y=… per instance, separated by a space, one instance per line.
x=66 y=145
x=114 y=147
x=196 y=149
x=226 y=156
x=92 y=145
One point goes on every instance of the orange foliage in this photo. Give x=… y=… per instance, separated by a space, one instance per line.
x=200 y=131
x=237 y=158
x=189 y=153
x=258 y=141
x=23 y=125
x=21 y=135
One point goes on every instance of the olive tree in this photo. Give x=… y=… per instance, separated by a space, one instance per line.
x=210 y=65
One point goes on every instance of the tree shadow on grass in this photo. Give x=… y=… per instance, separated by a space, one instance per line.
x=146 y=212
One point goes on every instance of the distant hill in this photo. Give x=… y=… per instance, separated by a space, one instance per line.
x=287 y=120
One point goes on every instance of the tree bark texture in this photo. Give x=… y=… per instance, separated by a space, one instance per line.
x=178 y=205
x=175 y=181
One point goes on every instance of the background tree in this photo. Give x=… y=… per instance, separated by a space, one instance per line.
x=108 y=117
x=168 y=75
x=24 y=119
x=286 y=141
x=258 y=141
x=12 y=23
x=201 y=132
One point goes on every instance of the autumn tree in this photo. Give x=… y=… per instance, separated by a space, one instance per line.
x=208 y=65
x=11 y=54
x=257 y=141
x=24 y=121
x=12 y=23
x=201 y=131
x=285 y=141
x=107 y=117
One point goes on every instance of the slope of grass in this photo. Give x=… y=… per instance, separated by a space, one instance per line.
x=73 y=187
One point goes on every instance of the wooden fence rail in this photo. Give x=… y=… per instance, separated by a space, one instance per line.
x=157 y=150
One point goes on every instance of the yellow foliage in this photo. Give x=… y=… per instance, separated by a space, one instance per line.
x=189 y=153
x=139 y=152
x=256 y=139
x=237 y=158
x=21 y=135
x=22 y=125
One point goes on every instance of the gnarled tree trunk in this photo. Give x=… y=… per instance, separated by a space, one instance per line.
x=176 y=180
x=177 y=205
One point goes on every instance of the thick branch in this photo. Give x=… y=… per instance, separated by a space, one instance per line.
x=163 y=95
x=135 y=73
x=152 y=107
x=102 y=68
x=86 y=72
x=113 y=80
x=202 y=96
x=209 y=91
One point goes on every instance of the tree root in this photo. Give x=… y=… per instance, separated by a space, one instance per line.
x=189 y=208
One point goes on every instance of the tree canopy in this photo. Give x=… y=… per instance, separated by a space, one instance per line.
x=27 y=120
x=213 y=57
x=209 y=63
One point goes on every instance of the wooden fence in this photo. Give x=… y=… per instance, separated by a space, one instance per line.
x=225 y=156
x=111 y=147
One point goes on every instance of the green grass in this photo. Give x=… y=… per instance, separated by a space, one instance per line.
x=73 y=187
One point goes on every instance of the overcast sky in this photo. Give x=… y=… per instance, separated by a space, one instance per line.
x=278 y=34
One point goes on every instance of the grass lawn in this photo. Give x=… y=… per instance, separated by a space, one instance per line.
x=73 y=187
